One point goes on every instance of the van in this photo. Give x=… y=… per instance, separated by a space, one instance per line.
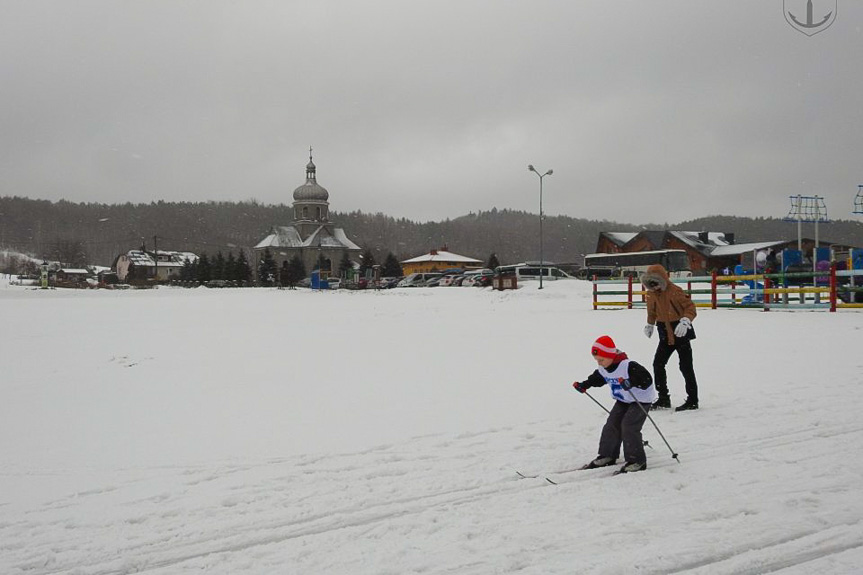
x=417 y=279
x=531 y=272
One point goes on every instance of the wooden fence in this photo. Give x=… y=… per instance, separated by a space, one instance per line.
x=824 y=290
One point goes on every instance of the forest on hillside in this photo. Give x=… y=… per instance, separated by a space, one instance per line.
x=93 y=233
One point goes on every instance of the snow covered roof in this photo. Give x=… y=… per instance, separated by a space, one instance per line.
x=139 y=258
x=340 y=235
x=145 y=259
x=181 y=257
x=738 y=249
x=282 y=237
x=76 y=271
x=620 y=238
x=289 y=237
x=694 y=238
x=441 y=256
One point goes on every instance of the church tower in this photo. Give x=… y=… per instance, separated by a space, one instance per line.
x=311 y=205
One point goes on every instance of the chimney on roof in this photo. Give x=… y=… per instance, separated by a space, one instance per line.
x=433 y=253
x=703 y=237
x=444 y=248
x=729 y=238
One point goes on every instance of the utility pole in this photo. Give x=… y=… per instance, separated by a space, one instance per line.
x=156 y=257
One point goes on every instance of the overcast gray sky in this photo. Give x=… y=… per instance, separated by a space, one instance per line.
x=647 y=111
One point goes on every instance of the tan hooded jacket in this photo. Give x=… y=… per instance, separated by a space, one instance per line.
x=668 y=305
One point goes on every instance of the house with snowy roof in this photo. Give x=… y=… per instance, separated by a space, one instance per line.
x=705 y=250
x=311 y=235
x=142 y=264
x=438 y=261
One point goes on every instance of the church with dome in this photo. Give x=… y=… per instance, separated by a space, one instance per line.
x=311 y=235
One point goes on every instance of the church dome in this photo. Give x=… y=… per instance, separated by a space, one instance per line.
x=311 y=191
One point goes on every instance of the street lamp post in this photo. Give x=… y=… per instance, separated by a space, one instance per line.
x=541 y=176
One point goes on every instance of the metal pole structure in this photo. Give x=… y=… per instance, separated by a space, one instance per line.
x=541 y=176
x=540 y=233
x=800 y=224
x=817 y=217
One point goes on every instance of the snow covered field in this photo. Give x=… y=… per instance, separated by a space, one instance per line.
x=265 y=431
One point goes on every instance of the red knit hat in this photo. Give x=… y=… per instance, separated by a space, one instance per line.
x=604 y=347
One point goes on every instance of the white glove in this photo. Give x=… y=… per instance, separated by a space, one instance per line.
x=682 y=327
x=648 y=330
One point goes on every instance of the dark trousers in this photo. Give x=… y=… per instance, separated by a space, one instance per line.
x=624 y=426
x=684 y=354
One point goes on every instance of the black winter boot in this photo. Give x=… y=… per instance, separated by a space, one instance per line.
x=664 y=402
x=687 y=405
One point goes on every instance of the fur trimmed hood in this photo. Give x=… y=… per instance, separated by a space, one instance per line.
x=656 y=274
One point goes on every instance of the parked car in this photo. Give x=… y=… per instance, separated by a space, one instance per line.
x=471 y=276
x=389 y=283
x=334 y=283
x=448 y=278
x=417 y=279
x=482 y=281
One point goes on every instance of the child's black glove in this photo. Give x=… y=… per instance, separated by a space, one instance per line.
x=580 y=387
x=624 y=383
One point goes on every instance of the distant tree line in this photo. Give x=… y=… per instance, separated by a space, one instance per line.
x=206 y=268
x=97 y=233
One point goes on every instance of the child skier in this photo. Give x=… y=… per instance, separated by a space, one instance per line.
x=632 y=388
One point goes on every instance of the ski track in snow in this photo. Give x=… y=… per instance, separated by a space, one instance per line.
x=270 y=513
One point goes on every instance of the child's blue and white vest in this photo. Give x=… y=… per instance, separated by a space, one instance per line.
x=618 y=392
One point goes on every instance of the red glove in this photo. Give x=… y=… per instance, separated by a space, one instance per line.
x=579 y=387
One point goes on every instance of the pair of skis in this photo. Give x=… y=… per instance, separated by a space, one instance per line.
x=521 y=475
x=562 y=471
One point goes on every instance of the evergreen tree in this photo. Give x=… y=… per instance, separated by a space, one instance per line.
x=189 y=271
x=267 y=269
x=243 y=269
x=492 y=262
x=295 y=272
x=391 y=268
x=345 y=265
x=218 y=266
x=230 y=273
x=205 y=269
x=284 y=275
x=368 y=261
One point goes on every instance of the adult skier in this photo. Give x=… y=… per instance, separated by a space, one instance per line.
x=672 y=310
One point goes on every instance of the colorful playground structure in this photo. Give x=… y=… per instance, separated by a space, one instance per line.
x=829 y=286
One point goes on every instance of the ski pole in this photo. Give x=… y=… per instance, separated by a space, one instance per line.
x=609 y=413
x=596 y=402
x=641 y=407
